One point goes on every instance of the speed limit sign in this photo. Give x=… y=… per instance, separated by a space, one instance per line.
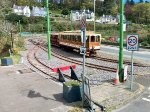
x=132 y=43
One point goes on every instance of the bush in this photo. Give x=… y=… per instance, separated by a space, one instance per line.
x=144 y=43
x=65 y=12
x=14 y=18
x=20 y=43
x=73 y=83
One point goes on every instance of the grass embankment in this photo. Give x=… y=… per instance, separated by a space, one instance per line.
x=18 y=46
x=16 y=58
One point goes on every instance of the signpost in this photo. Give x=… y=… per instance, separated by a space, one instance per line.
x=132 y=45
x=87 y=93
x=83 y=51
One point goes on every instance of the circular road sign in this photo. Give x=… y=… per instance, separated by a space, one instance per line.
x=132 y=40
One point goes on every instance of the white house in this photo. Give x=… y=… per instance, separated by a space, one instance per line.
x=107 y=19
x=22 y=10
x=35 y=11
x=38 y=11
x=77 y=15
x=25 y=10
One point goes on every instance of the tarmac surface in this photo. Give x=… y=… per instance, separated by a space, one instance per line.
x=23 y=90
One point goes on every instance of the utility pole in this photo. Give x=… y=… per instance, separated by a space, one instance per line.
x=19 y=27
x=121 y=75
x=12 y=40
x=94 y=16
x=48 y=31
x=71 y=20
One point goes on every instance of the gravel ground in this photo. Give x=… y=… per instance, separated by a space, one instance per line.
x=94 y=74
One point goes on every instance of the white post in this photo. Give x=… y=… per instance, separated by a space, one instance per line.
x=131 y=86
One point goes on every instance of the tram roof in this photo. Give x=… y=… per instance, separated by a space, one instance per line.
x=75 y=32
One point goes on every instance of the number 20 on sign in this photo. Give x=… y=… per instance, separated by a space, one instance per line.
x=132 y=42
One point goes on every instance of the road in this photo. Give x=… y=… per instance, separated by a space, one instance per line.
x=143 y=54
x=141 y=104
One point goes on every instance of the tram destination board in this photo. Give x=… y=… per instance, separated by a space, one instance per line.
x=132 y=43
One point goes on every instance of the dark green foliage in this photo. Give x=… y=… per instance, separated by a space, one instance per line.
x=141 y=1
x=1 y=34
x=73 y=83
x=108 y=4
x=132 y=2
x=34 y=19
x=14 y=18
x=65 y=12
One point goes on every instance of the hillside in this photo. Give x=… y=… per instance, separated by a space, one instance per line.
x=5 y=7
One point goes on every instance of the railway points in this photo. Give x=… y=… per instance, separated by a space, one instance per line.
x=101 y=80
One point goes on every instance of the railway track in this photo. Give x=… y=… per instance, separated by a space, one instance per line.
x=42 y=46
x=116 y=61
x=39 y=65
x=31 y=57
x=62 y=57
x=90 y=65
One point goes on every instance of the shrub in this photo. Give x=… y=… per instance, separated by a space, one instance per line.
x=65 y=12
x=73 y=83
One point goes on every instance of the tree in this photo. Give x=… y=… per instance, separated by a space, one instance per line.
x=142 y=13
x=141 y=1
x=128 y=12
x=128 y=2
x=132 y=2
x=108 y=5
x=65 y=12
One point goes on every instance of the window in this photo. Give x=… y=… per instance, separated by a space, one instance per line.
x=87 y=40
x=92 y=38
x=73 y=38
x=79 y=38
x=98 y=38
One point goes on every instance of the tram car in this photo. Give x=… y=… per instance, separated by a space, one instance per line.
x=74 y=41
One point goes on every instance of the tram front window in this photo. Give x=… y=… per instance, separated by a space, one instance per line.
x=92 y=38
x=87 y=39
x=97 y=38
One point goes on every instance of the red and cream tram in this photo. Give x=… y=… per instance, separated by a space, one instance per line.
x=73 y=40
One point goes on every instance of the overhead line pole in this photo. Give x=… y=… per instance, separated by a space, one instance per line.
x=71 y=20
x=20 y=27
x=48 y=31
x=121 y=75
x=94 y=16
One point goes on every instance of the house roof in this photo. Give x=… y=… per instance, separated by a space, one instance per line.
x=18 y=7
x=81 y=11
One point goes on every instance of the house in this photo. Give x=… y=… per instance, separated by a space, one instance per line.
x=77 y=15
x=22 y=10
x=25 y=10
x=107 y=19
x=38 y=11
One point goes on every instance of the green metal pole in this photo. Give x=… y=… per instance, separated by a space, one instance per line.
x=19 y=27
x=121 y=75
x=71 y=21
x=12 y=40
x=48 y=31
